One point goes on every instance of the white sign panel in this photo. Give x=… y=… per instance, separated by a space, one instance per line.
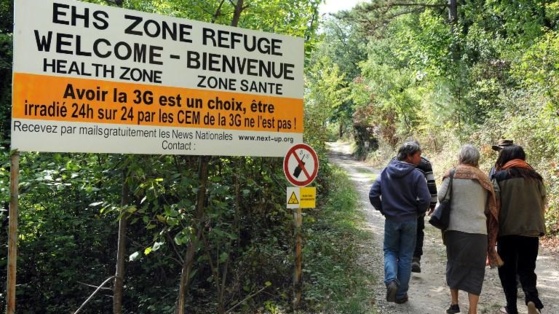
x=90 y=78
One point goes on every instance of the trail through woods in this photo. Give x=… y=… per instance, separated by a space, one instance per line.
x=428 y=292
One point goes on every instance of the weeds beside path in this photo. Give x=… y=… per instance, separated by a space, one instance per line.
x=428 y=292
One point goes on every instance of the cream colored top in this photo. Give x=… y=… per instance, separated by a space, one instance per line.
x=469 y=200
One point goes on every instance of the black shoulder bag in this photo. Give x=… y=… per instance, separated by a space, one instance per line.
x=440 y=218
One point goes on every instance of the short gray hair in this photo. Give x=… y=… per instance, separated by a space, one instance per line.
x=469 y=155
x=408 y=148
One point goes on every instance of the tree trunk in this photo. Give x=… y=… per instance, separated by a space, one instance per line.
x=195 y=239
x=452 y=11
x=203 y=176
x=12 y=234
x=237 y=15
x=121 y=250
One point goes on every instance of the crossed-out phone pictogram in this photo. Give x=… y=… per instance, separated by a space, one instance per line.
x=300 y=165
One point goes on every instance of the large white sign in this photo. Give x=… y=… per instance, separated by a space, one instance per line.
x=90 y=78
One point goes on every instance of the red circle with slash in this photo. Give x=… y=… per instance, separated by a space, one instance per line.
x=300 y=165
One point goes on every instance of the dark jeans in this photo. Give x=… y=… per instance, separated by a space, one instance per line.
x=519 y=255
x=418 y=251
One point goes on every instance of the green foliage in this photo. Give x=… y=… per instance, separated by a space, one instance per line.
x=4 y=185
x=71 y=205
x=326 y=94
x=6 y=12
x=539 y=70
x=552 y=188
x=331 y=70
x=62 y=238
x=489 y=73
x=6 y=29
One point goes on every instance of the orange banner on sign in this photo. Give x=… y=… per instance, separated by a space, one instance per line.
x=56 y=98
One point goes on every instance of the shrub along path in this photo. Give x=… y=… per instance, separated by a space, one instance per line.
x=428 y=292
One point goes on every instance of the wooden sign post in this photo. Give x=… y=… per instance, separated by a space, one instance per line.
x=12 y=234
x=300 y=167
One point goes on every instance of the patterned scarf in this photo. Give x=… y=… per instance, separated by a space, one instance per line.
x=492 y=210
x=517 y=163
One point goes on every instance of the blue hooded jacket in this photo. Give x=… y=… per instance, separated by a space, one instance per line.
x=400 y=193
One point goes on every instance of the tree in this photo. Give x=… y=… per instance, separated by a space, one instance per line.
x=72 y=203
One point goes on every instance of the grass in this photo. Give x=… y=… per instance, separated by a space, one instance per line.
x=333 y=279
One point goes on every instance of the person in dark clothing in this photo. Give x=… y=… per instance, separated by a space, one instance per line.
x=427 y=170
x=401 y=195
x=502 y=143
x=522 y=196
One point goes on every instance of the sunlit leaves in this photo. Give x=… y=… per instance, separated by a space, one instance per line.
x=539 y=68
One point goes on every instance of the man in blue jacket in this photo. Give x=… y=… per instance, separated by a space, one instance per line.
x=401 y=195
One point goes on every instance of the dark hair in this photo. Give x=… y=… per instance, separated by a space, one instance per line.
x=511 y=152
x=407 y=149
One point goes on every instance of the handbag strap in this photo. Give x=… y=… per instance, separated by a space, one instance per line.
x=449 y=189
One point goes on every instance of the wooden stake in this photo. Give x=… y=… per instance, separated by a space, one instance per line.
x=12 y=234
x=297 y=278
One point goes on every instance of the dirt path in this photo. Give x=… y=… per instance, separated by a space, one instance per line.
x=428 y=292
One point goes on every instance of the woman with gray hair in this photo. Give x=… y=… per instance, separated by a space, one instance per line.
x=471 y=236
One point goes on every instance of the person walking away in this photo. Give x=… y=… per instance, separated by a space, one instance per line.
x=400 y=193
x=522 y=196
x=472 y=232
x=427 y=169
x=497 y=147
